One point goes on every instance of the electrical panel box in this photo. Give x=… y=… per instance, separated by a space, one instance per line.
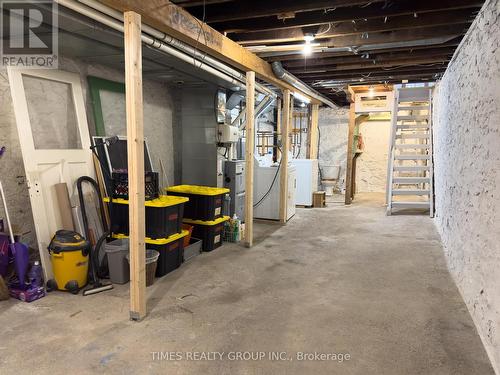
x=228 y=134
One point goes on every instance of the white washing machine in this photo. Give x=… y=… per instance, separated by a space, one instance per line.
x=269 y=207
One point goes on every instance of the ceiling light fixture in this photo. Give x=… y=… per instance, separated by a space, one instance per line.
x=307 y=50
x=371 y=92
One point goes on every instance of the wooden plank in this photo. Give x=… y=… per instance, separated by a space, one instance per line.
x=350 y=140
x=241 y=10
x=249 y=157
x=178 y=23
x=135 y=148
x=459 y=16
x=299 y=56
x=373 y=58
x=285 y=146
x=370 y=65
x=348 y=14
x=313 y=134
x=411 y=35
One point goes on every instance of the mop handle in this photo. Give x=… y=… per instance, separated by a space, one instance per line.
x=6 y=213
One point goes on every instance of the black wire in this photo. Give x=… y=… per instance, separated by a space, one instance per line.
x=272 y=183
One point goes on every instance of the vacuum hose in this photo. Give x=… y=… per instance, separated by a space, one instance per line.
x=94 y=254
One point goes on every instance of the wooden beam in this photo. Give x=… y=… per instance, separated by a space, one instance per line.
x=350 y=153
x=375 y=72
x=285 y=146
x=178 y=23
x=416 y=37
x=261 y=8
x=135 y=148
x=370 y=66
x=407 y=21
x=299 y=56
x=346 y=14
x=374 y=58
x=249 y=157
x=313 y=134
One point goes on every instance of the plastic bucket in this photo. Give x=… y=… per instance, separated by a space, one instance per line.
x=151 y=263
x=119 y=269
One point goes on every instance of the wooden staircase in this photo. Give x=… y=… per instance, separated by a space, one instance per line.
x=410 y=170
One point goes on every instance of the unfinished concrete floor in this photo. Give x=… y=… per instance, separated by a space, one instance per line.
x=334 y=280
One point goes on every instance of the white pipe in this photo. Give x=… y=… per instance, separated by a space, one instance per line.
x=161 y=38
x=86 y=11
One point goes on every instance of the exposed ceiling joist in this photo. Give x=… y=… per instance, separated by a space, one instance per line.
x=368 y=41
x=301 y=59
x=175 y=21
x=405 y=22
x=261 y=8
x=368 y=58
x=363 y=66
x=372 y=39
x=379 y=73
x=375 y=10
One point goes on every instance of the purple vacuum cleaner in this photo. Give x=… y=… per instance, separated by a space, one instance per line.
x=19 y=251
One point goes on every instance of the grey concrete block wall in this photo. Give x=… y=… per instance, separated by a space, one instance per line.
x=158 y=129
x=467 y=177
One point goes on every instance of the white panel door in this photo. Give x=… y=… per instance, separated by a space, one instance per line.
x=55 y=143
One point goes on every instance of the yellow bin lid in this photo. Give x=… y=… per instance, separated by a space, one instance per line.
x=209 y=223
x=197 y=190
x=158 y=241
x=161 y=202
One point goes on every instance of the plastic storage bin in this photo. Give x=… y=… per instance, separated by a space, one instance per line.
x=119 y=269
x=210 y=232
x=205 y=203
x=152 y=257
x=163 y=216
x=171 y=251
x=120 y=185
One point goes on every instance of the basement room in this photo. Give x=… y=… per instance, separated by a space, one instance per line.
x=236 y=187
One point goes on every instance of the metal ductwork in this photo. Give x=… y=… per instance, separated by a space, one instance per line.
x=282 y=74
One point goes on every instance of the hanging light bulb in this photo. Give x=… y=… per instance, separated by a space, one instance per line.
x=371 y=92
x=307 y=50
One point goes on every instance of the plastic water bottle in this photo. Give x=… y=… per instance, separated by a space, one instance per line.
x=35 y=275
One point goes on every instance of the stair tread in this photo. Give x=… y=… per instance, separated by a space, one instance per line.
x=412 y=127
x=400 y=180
x=409 y=204
x=411 y=157
x=413 y=136
x=413 y=117
x=411 y=168
x=420 y=146
x=410 y=192
x=413 y=108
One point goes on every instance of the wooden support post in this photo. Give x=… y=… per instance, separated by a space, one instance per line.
x=249 y=158
x=350 y=154
x=285 y=146
x=313 y=133
x=135 y=148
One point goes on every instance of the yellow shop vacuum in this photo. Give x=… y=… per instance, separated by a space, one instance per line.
x=69 y=254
